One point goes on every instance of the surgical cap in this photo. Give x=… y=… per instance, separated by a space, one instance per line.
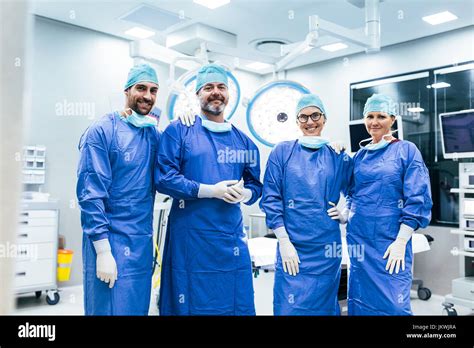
x=141 y=73
x=211 y=73
x=310 y=100
x=380 y=103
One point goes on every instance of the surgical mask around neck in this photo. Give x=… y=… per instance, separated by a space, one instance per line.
x=140 y=121
x=216 y=127
x=312 y=141
x=378 y=146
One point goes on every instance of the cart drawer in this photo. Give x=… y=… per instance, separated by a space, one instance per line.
x=34 y=273
x=36 y=251
x=35 y=214
x=26 y=221
x=38 y=234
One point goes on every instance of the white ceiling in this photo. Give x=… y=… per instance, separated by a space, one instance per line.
x=252 y=19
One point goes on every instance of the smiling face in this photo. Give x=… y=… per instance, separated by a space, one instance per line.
x=378 y=124
x=311 y=128
x=141 y=97
x=213 y=98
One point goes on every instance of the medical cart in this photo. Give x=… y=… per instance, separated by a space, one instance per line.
x=463 y=288
x=36 y=250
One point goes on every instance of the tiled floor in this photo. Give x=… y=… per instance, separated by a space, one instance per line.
x=71 y=302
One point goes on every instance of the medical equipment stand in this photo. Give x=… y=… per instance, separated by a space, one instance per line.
x=463 y=288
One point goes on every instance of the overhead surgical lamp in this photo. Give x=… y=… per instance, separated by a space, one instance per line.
x=271 y=112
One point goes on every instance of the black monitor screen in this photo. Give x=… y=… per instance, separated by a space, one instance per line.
x=358 y=132
x=458 y=132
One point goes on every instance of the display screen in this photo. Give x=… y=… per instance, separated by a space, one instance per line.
x=458 y=132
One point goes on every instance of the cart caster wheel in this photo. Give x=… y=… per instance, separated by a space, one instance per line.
x=424 y=294
x=451 y=312
x=38 y=294
x=54 y=301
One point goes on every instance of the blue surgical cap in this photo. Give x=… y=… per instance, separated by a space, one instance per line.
x=141 y=73
x=380 y=103
x=310 y=100
x=211 y=73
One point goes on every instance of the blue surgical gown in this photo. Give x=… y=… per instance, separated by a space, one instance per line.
x=298 y=185
x=206 y=262
x=116 y=192
x=389 y=187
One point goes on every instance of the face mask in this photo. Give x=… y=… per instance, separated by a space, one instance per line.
x=141 y=121
x=312 y=142
x=216 y=127
x=380 y=145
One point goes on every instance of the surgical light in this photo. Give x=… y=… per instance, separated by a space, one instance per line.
x=271 y=112
x=182 y=100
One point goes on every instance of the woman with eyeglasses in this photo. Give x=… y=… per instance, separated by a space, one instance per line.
x=302 y=186
x=389 y=198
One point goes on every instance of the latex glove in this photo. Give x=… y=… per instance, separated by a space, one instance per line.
x=336 y=214
x=288 y=253
x=396 y=251
x=237 y=193
x=337 y=146
x=215 y=191
x=188 y=118
x=105 y=263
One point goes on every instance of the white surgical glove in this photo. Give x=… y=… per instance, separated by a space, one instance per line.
x=105 y=263
x=289 y=255
x=215 y=191
x=237 y=193
x=337 y=146
x=188 y=118
x=336 y=214
x=396 y=250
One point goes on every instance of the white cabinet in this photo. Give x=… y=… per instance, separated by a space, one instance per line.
x=36 y=252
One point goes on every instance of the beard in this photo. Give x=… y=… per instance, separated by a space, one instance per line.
x=134 y=107
x=213 y=110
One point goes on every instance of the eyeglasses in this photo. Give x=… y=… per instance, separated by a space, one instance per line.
x=314 y=116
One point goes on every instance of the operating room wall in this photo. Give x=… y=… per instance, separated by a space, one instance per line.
x=331 y=80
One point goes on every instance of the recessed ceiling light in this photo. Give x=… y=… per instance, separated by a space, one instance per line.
x=334 y=47
x=212 y=4
x=417 y=109
x=439 y=18
x=439 y=85
x=258 y=65
x=140 y=33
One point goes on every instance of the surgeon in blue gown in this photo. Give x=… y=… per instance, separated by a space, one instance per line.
x=389 y=199
x=116 y=191
x=208 y=169
x=302 y=185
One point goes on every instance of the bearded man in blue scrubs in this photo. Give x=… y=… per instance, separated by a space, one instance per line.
x=115 y=191
x=208 y=170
